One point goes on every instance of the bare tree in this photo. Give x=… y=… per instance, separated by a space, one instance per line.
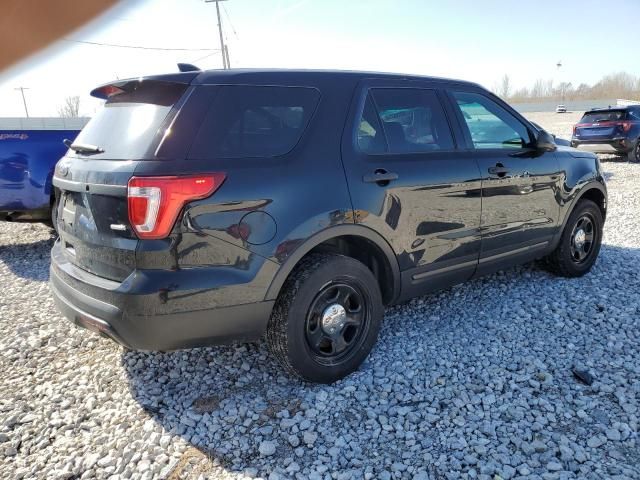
x=505 y=87
x=616 y=85
x=70 y=108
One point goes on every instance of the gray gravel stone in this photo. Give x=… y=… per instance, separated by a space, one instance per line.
x=472 y=382
x=267 y=448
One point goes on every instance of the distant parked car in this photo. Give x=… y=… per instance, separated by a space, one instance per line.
x=29 y=150
x=613 y=130
x=561 y=109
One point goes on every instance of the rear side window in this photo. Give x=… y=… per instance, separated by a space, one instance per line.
x=255 y=121
x=604 y=116
x=128 y=125
x=403 y=120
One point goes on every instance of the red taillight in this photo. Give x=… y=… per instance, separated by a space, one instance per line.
x=626 y=126
x=155 y=202
x=107 y=91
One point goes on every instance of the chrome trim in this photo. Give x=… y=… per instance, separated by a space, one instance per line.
x=333 y=318
x=96 y=188
x=517 y=251
x=450 y=268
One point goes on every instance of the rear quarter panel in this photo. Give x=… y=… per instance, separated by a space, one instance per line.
x=271 y=206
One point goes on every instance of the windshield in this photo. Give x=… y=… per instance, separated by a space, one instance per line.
x=128 y=125
x=604 y=116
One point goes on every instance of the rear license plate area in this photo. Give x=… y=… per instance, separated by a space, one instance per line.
x=69 y=209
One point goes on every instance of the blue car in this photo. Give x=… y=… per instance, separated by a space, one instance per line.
x=28 y=155
x=613 y=130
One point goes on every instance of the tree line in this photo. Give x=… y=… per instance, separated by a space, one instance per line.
x=615 y=85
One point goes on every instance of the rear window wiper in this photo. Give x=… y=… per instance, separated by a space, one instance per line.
x=82 y=148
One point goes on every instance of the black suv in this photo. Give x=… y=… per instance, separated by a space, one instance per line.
x=610 y=130
x=204 y=207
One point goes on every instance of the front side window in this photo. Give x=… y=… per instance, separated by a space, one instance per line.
x=634 y=114
x=255 y=121
x=370 y=135
x=403 y=120
x=490 y=125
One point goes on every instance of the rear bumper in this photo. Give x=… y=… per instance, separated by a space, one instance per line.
x=145 y=313
x=615 y=146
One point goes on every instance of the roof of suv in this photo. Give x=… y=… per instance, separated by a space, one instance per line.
x=613 y=108
x=254 y=75
x=264 y=76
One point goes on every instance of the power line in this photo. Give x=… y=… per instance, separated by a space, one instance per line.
x=231 y=24
x=206 y=56
x=24 y=101
x=141 y=47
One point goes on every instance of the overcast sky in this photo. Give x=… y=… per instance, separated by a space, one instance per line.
x=469 y=39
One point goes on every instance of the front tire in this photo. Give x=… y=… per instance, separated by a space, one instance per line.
x=580 y=242
x=326 y=319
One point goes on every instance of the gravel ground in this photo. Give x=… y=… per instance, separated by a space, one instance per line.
x=473 y=382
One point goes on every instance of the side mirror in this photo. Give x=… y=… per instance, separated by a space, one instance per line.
x=545 y=142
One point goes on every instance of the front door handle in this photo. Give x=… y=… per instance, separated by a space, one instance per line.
x=380 y=176
x=499 y=170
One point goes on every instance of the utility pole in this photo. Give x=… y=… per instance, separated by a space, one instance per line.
x=559 y=64
x=223 y=48
x=24 y=100
x=226 y=53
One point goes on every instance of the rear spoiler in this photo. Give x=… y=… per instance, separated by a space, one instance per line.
x=111 y=89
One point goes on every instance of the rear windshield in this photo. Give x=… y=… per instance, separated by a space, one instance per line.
x=254 y=121
x=129 y=124
x=604 y=116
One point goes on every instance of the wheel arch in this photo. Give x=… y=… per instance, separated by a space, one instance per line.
x=593 y=191
x=347 y=239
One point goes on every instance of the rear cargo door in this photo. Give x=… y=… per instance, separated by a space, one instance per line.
x=92 y=177
x=600 y=125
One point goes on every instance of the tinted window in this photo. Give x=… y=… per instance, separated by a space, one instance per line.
x=255 y=121
x=370 y=135
x=634 y=114
x=412 y=121
x=604 y=116
x=490 y=125
x=127 y=126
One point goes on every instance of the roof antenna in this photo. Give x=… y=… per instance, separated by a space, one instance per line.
x=187 y=67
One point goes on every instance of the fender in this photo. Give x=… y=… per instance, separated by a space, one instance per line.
x=332 y=232
x=571 y=205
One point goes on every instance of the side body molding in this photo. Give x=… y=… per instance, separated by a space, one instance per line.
x=327 y=234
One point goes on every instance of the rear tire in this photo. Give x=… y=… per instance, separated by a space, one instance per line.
x=634 y=154
x=580 y=242
x=326 y=319
x=54 y=216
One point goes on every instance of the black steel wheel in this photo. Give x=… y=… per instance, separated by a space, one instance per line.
x=580 y=242
x=582 y=238
x=326 y=318
x=335 y=322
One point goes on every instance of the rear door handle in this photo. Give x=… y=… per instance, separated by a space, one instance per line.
x=380 y=176
x=499 y=170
